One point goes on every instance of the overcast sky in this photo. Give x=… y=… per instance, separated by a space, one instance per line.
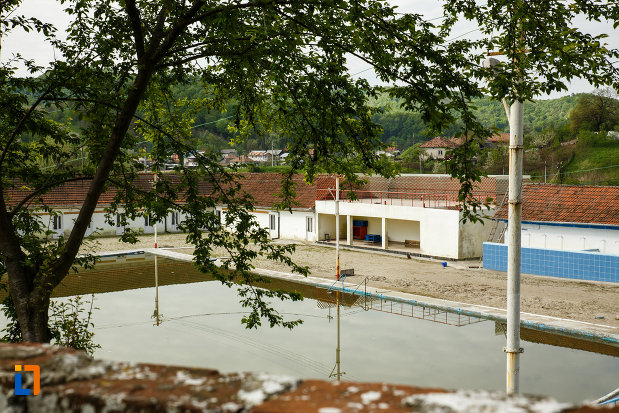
x=33 y=46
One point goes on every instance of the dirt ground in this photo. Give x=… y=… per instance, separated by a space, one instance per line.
x=576 y=300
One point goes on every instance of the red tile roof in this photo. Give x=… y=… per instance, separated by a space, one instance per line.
x=458 y=141
x=263 y=187
x=499 y=138
x=266 y=187
x=438 y=142
x=568 y=203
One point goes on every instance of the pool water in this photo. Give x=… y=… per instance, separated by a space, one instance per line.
x=200 y=326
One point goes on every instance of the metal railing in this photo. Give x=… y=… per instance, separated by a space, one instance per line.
x=414 y=199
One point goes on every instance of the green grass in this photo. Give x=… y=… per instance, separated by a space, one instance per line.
x=595 y=164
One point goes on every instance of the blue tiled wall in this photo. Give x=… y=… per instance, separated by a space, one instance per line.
x=554 y=263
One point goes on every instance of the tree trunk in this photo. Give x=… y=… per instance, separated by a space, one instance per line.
x=32 y=307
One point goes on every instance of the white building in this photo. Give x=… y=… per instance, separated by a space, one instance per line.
x=416 y=213
x=296 y=224
x=569 y=217
x=259 y=156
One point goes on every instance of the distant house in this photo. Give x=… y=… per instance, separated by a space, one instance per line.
x=189 y=161
x=274 y=152
x=238 y=160
x=458 y=141
x=499 y=139
x=228 y=153
x=259 y=156
x=390 y=152
x=437 y=147
x=265 y=156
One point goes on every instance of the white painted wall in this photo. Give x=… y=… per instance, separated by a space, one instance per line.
x=401 y=230
x=436 y=153
x=570 y=238
x=293 y=225
x=262 y=216
x=326 y=225
x=439 y=232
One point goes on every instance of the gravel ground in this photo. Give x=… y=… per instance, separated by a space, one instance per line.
x=576 y=300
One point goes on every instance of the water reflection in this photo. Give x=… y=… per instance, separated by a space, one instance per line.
x=156 y=313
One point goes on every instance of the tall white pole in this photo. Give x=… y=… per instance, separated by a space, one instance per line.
x=337 y=227
x=516 y=153
x=337 y=272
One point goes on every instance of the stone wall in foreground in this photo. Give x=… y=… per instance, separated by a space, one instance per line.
x=70 y=381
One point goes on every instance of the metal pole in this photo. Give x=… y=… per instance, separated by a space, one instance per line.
x=545 y=172
x=516 y=152
x=337 y=228
x=155 y=182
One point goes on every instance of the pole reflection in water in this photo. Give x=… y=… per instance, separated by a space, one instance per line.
x=337 y=371
x=156 y=313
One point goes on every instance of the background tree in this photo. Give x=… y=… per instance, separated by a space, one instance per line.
x=281 y=63
x=412 y=155
x=595 y=112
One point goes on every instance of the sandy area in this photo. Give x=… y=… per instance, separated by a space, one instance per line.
x=576 y=300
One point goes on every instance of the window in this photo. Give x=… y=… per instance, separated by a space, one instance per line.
x=272 y=222
x=175 y=218
x=218 y=213
x=440 y=152
x=310 y=224
x=119 y=220
x=57 y=222
x=148 y=221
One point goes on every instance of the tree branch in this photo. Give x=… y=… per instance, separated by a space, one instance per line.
x=136 y=26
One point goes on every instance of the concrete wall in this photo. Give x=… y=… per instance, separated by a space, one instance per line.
x=401 y=230
x=375 y=225
x=439 y=232
x=326 y=225
x=293 y=225
x=436 y=153
x=472 y=237
x=554 y=263
x=99 y=224
x=570 y=238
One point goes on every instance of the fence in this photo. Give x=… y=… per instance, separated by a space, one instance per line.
x=577 y=265
x=415 y=199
